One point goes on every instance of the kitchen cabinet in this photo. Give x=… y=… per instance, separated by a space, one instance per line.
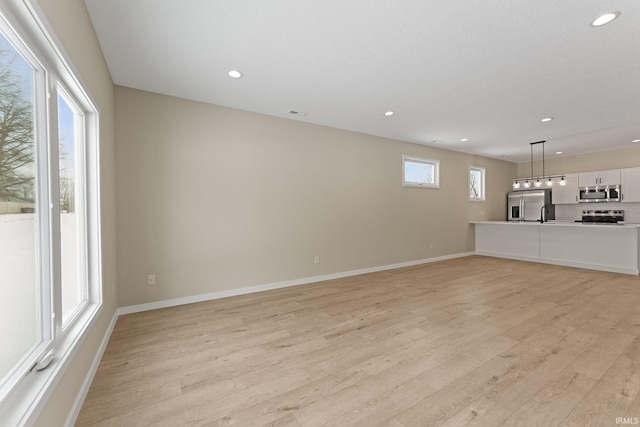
x=595 y=246
x=589 y=179
x=611 y=177
x=566 y=194
x=630 y=184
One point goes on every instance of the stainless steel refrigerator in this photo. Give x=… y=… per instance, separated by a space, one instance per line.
x=527 y=205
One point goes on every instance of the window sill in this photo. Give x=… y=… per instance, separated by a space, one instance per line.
x=436 y=186
x=24 y=403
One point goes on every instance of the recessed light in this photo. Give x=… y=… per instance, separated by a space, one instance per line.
x=464 y=139
x=558 y=152
x=389 y=113
x=636 y=140
x=605 y=18
x=234 y=74
x=504 y=156
x=547 y=119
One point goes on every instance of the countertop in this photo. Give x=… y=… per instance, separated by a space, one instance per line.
x=558 y=223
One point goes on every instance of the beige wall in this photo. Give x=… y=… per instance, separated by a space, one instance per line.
x=70 y=23
x=211 y=199
x=602 y=160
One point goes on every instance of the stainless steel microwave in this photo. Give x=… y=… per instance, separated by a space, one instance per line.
x=609 y=193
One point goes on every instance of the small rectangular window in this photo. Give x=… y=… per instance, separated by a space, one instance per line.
x=417 y=172
x=476 y=183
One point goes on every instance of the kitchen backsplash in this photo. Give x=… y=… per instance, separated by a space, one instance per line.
x=573 y=212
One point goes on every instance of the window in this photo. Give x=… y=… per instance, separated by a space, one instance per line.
x=70 y=180
x=417 y=172
x=476 y=183
x=49 y=223
x=21 y=295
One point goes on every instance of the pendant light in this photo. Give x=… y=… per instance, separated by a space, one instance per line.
x=537 y=180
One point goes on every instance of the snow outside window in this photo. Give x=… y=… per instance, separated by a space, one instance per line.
x=50 y=276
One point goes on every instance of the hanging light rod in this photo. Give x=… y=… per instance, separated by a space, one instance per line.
x=535 y=180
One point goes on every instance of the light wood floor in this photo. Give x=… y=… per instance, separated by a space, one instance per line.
x=470 y=341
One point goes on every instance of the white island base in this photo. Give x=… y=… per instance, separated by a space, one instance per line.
x=598 y=247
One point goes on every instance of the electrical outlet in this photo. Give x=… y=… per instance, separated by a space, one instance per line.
x=431 y=245
x=317 y=259
x=151 y=279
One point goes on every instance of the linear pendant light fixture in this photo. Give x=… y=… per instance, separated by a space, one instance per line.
x=536 y=181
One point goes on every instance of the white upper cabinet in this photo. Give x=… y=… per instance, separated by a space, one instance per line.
x=565 y=194
x=630 y=186
x=610 y=177
x=589 y=179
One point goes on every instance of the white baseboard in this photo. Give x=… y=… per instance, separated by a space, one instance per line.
x=270 y=286
x=77 y=405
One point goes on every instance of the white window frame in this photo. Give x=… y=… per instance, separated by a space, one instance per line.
x=24 y=395
x=80 y=158
x=431 y=162
x=482 y=183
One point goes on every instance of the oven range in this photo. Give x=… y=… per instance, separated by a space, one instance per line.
x=602 y=216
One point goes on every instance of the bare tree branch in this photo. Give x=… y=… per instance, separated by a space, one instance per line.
x=17 y=155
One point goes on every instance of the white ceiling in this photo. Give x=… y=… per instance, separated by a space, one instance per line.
x=483 y=70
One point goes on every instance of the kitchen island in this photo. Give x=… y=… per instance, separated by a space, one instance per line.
x=606 y=247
